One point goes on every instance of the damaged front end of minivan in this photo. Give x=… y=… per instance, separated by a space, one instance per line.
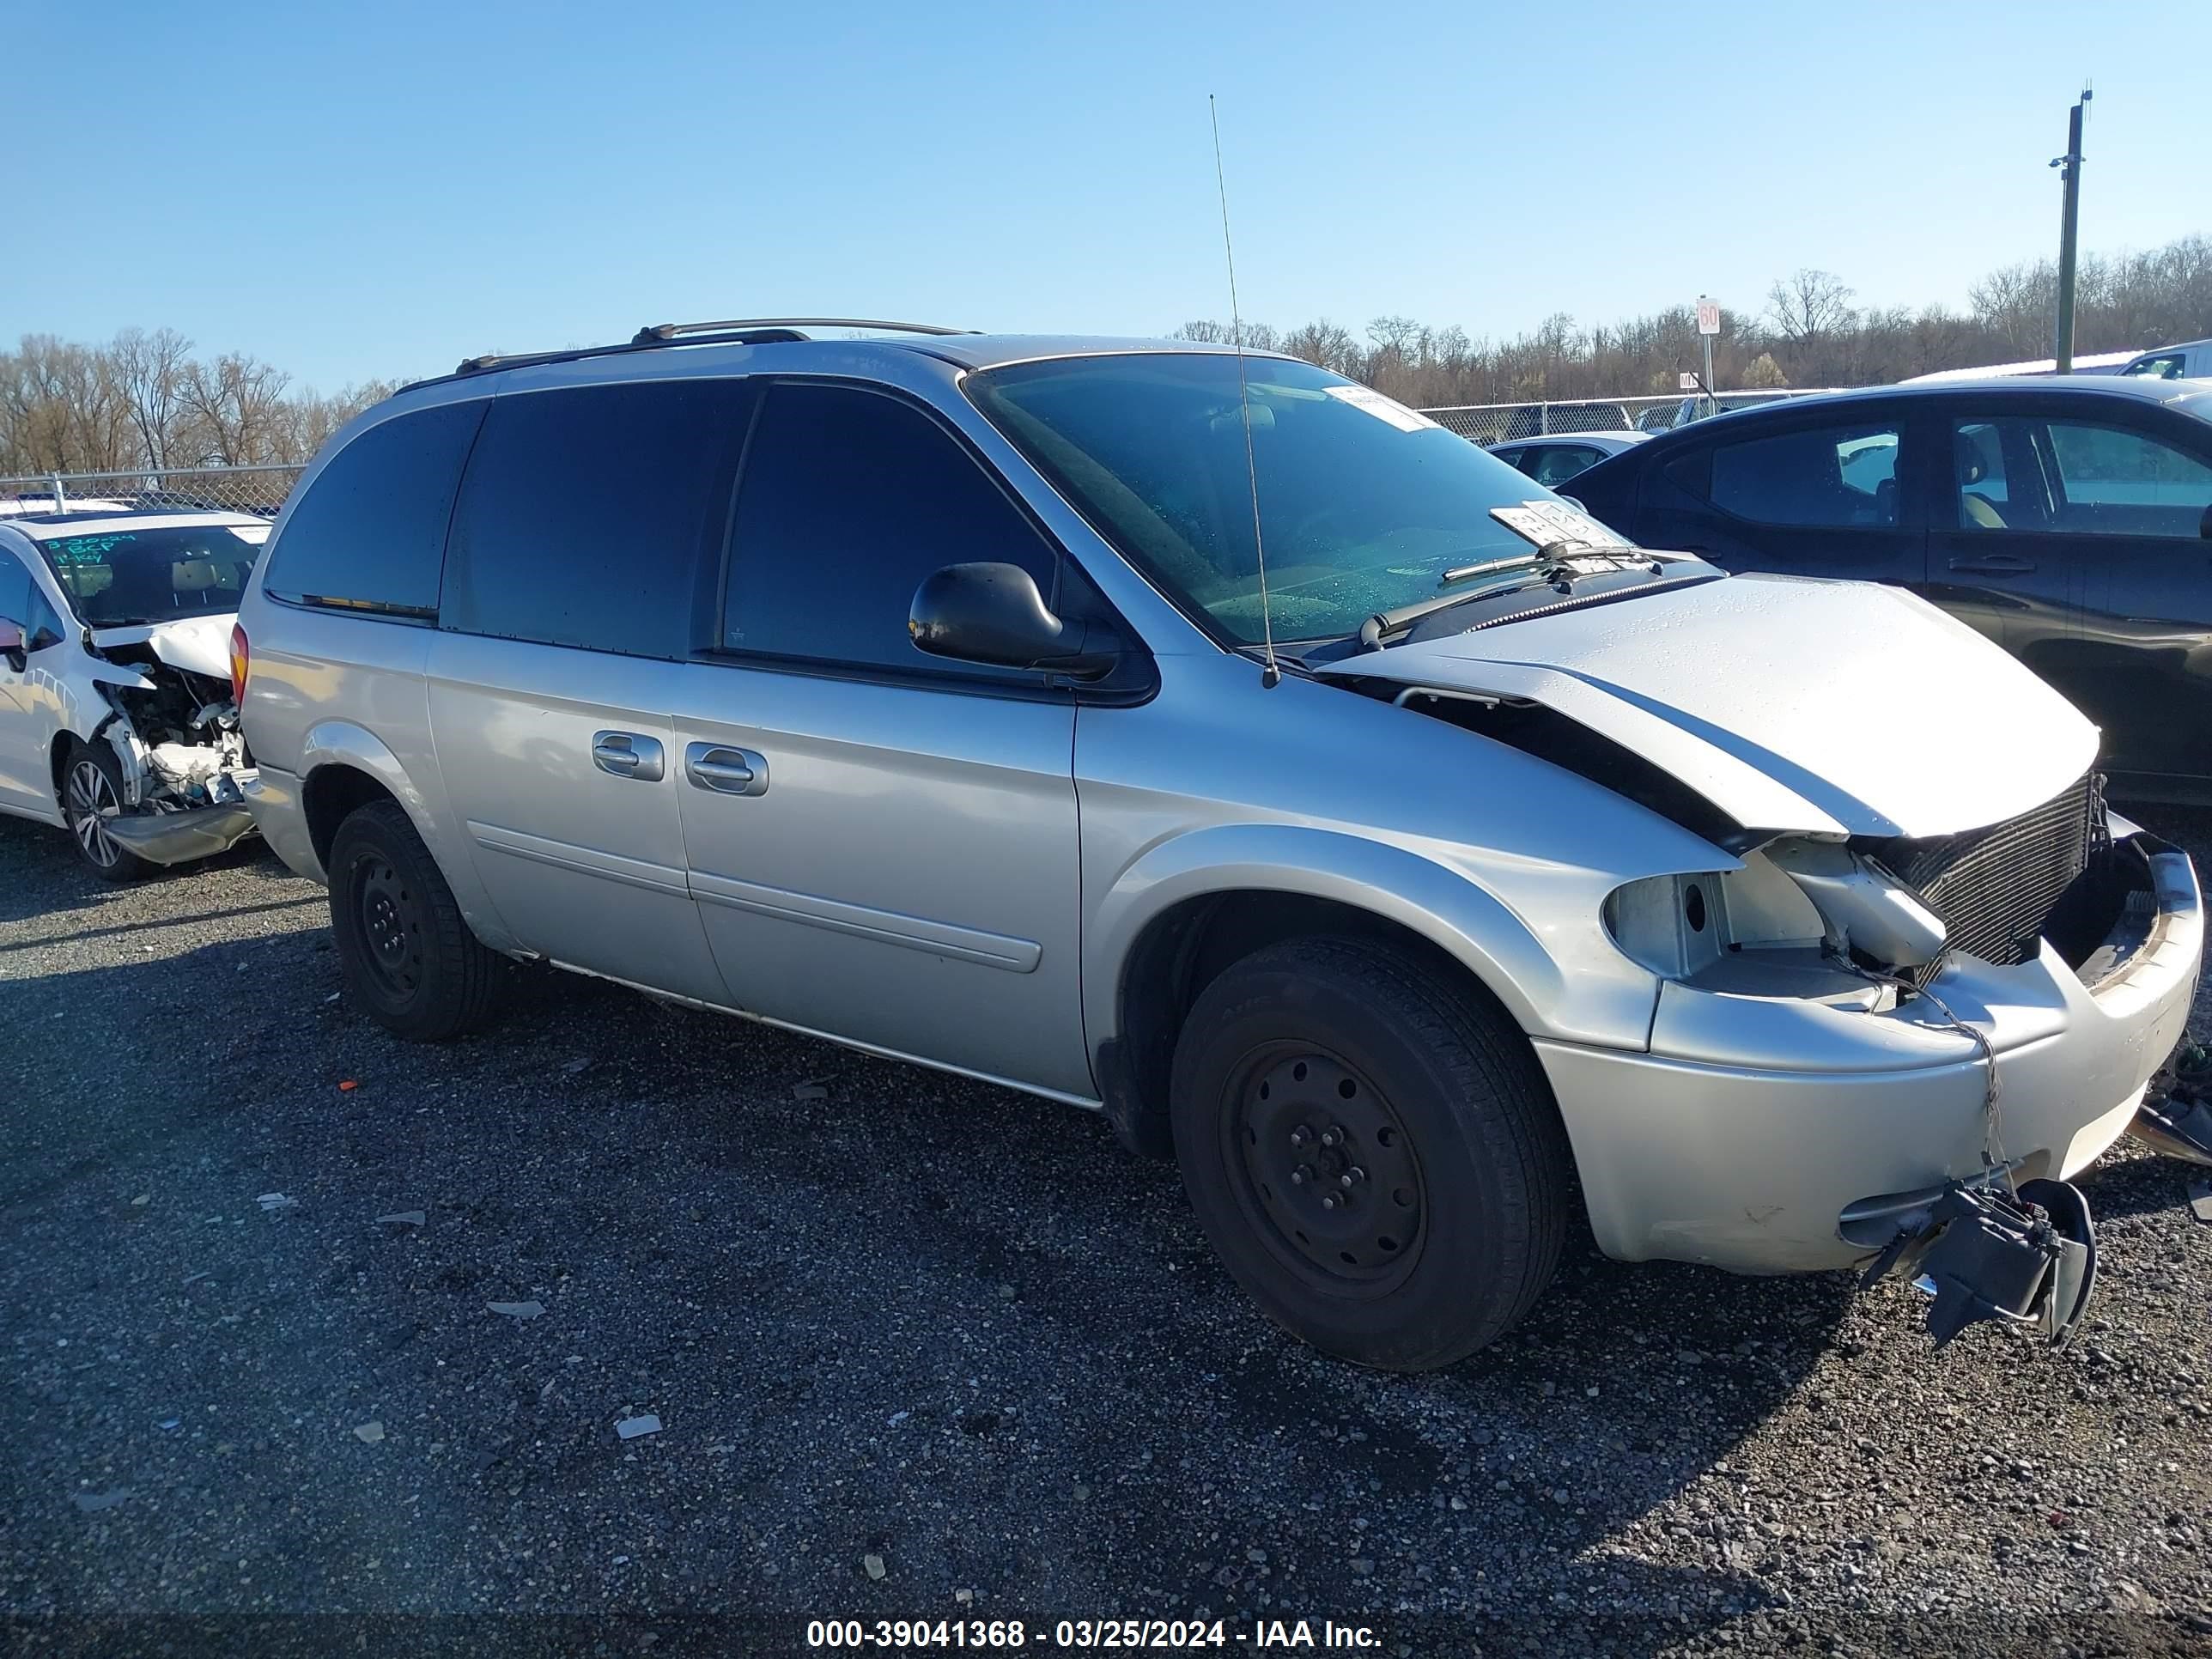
x=1923 y=983
x=172 y=724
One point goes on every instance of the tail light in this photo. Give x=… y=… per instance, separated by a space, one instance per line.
x=240 y=657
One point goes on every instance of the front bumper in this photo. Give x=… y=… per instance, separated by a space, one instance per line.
x=1754 y=1123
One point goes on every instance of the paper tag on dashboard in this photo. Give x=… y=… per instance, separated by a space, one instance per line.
x=1387 y=410
x=1546 y=522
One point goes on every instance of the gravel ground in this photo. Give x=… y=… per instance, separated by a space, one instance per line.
x=925 y=1349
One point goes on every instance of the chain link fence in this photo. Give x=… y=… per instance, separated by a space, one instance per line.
x=257 y=489
x=1495 y=423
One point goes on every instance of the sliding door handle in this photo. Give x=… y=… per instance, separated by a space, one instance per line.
x=726 y=771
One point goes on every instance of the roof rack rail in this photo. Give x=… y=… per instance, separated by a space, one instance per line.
x=667 y=333
x=771 y=331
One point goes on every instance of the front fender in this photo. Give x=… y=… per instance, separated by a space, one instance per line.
x=1566 y=979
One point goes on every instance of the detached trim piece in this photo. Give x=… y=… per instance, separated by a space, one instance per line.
x=937 y=939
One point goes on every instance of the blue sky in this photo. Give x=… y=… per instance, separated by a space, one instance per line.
x=380 y=190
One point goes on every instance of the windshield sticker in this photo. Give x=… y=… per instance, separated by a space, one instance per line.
x=1386 y=409
x=1547 y=522
x=251 y=534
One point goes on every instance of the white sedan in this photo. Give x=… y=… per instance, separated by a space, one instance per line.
x=1554 y=459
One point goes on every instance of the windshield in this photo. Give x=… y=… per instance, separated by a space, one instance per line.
x=115 y=577
x=1364 y=505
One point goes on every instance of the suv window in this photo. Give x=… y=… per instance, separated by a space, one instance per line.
x=370 y=532
x=1844 y=477
x=2166 y=367
x=850 y=498
x=591 y=515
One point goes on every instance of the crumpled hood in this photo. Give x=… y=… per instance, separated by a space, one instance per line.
x=198 y=645
x=1811 y=707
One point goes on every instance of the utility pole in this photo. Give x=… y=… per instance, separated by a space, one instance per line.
x=2070 y=224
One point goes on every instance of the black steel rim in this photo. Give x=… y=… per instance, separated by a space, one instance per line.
x=1325 y=1169
x=91 y=799
x=391 y=921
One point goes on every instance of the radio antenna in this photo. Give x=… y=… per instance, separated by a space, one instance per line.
x=1271 y=674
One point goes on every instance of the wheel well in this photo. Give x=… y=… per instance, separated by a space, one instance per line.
x=1185 y=949
x=328 y=795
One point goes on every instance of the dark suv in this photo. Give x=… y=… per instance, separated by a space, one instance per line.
x=2068 y=519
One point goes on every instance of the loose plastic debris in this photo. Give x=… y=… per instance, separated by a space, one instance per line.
x=630 y=1427
x=2200 y=1199
x=873 y=1565
x=406 y=1217
x=272 y=1202
x=348 y=1086
x=368 y=1433
x=2027 y=1258
x=809 y=1092
x=333 y=997
x=575 y=1066
x=90 y=1501
x=169 y=1423
x=194 y=1279
x=517 y=1309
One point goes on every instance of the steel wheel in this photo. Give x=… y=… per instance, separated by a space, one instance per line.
x=88 y=798
x=390 y=915
x=1328 y=1174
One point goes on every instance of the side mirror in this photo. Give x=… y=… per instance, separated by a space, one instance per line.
x=12 y=650
x=993 y=613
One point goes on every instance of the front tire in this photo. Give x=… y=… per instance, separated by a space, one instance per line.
x=92 y=793
x=1374 y=1152
x=408 y=959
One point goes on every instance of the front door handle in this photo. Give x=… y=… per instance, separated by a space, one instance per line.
x=724 y=771
x=629 y=754
x=1994 y=564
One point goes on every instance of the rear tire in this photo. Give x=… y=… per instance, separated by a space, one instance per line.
x=92 y=790
x=410 y=963
x=1374 y=1152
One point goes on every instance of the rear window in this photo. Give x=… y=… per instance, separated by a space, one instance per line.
x=370 y=532
x=1840 y=477
x=594 y=516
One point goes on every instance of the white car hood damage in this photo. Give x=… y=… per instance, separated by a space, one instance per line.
x=198 y=645
x=1801 y=707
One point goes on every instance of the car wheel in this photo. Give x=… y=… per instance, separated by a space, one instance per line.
x=1373 y=1151
x=91 y=793
x=407 y=957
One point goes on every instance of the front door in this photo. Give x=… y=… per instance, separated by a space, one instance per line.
x=587 y=520
x=883 y=846
x=1824 y=498
x=2088 y=536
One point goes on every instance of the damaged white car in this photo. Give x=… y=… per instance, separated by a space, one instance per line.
x=1468 y=870
x=117 y=717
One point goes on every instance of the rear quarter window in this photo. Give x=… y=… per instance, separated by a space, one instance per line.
x=370 y=532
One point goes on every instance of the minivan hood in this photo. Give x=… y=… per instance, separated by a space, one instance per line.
x=1816 y=708
x=198 y=645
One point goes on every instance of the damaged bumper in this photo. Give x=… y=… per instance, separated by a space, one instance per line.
x=1774 y=1134
x=197 y=832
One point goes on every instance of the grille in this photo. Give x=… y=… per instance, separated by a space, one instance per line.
x=1996 y=888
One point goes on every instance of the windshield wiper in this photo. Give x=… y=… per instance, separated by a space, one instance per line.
x=1546 y=562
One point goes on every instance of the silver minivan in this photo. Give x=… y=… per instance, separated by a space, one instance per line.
x=1212 y=742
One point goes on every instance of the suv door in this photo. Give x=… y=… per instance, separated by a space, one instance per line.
x=2083 y=523
x=1804 y=496
x=587 y=520
x=883 y=845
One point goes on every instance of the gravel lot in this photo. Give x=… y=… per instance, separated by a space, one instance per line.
x=923 y=1348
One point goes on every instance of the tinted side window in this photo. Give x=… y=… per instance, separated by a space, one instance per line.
x=2118 y=482
x=370 y=534
x=15 y=591
x=849 y=499
x=1839 y=476
x=590 y=514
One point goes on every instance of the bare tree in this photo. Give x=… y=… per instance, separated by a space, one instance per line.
x=149 y=372
x=1810 y=305
x=236 y=405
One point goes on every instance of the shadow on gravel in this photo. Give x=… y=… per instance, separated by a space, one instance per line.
x=918 y=1319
